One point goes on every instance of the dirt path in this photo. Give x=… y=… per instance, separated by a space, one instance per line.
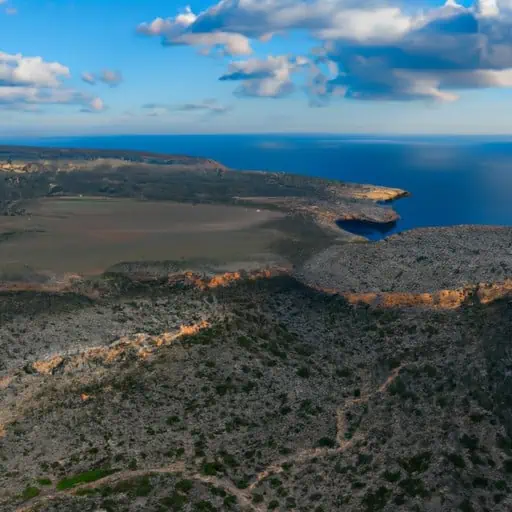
x=343 y=444
x=243 y=496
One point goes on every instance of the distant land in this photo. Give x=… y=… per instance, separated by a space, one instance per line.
x=452 y=180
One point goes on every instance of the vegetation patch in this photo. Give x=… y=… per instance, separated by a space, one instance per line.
x=30 y=493
x=84 y=478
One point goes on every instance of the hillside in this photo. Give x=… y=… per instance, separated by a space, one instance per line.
x=251 y=394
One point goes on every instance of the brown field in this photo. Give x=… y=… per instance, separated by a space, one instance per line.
x=87 y=235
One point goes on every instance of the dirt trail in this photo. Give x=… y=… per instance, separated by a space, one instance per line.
x=243 y=496
x=343 y=444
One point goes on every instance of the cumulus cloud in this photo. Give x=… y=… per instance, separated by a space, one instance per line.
x=374 y=49
x=179 y=31
x=271 y=78
x=450 y=49
x=231 y=24
x=17 y=70
x=26 y=83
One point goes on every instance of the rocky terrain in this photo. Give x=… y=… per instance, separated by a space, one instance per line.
x=433 y=266
x=249 y=392
x=358 y=376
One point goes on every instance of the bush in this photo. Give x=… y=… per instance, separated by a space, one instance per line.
x=229 y=501
x=456 y=459
x=211 y=468
x=326 y=442
x=414 y=487
x=392 y=476
x=377 y=500
x=257 y=498
x=184 y=485
x=204 y=506
x=418 y=463
x=83 y=478
x=303 y=372
x=175 y=501
x=30 y=493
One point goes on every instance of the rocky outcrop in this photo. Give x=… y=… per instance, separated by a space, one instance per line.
x=415 y=262
x=483 y=293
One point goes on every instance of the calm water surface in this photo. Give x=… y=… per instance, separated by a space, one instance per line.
x=452 y=181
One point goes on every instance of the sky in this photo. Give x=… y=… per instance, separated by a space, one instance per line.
x=72 y=67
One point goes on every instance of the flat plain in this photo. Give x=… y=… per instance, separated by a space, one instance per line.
x=88 y=235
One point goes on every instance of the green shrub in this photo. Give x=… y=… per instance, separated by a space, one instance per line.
x=83 y=478
x=414 y=487
x=30 y=493
x=211 y=468
x=418 y=463
x=456 y=459
x=326 y=442
x=204 y=506
x=257 y=498
x=243 y=483
x=229 y=501
x=374 y=501
x=303 y=372
x=184 y=485
x=392 y=476
x=175 y=501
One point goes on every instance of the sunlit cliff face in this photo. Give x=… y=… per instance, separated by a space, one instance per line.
x=221 y=280
x=483 y=293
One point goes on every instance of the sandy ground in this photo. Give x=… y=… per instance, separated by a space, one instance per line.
x=87 y=235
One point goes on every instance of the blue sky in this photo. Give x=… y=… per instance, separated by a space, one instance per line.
x=341 y=66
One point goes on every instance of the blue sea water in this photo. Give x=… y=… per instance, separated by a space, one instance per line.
x=452 y=180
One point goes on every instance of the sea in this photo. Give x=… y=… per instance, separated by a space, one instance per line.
x=452 y=180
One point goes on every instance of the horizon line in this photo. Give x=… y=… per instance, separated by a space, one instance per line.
x=274 y=134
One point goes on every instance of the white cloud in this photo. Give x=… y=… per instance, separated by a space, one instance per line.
x=208 y=106
x=373 y=49
x=18 y=70
x=26 y=82
x=94 y=105
x=174 y=32
x=107 y=76
x=270 y=78
x=110 y=77
x=89 y=78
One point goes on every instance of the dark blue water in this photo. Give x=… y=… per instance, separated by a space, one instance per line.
x=452 y=180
